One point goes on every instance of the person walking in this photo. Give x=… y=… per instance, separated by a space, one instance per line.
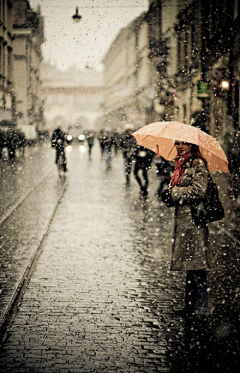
x=2 y=142
x=58 y=142
x=143 y=160
x=107 y=146
x=90 y=141
x=191 y=242
x=128 y=146
x=12 y=144
x=101 y=142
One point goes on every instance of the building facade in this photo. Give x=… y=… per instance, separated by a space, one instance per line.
x=161 y=18
x=28 y=38
x=220 y=64
x=7 y=95
x=127 y=76
x=194 y=46
x=72 y=98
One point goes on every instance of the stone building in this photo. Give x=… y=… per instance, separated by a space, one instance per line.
x=127 y=76
x=194 y=46
x=220 y=64
x=72 y=98
x=161 y=18
x=28 y=38
x=189 y=57
x=7 y=95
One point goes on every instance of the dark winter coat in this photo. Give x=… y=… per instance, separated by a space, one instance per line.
x=58 y=140
x=143 y=157
x=191 y=243
x=128 y=145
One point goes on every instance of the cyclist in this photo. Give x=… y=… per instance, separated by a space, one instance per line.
x=58 y=142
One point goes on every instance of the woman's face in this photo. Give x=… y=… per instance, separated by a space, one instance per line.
x=182 y=147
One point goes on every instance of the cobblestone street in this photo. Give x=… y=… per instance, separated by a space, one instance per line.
x=100 y=295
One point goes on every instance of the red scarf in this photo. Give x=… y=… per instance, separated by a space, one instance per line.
x=179 y=168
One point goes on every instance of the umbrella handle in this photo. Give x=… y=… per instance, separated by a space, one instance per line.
x=158 y=155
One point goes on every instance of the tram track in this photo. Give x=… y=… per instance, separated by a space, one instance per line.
x=18 y=287
x=20 y=201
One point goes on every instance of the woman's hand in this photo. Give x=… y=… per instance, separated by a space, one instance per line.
x=167 y=198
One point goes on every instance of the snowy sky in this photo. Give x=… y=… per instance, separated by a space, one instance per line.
x=85 y=43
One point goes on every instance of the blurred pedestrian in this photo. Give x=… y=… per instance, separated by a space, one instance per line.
x=58 y=142
x=128 y=147
x=107 y=141
x=191 y=243
x=2 y=142
x=164 y=172
x=21 y=143
x=143 y=161
x=101 y=142
x=115 y=136
x=12 y=144
x=90 y=141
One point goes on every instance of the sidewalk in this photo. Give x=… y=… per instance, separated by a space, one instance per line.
x=231 y=206
x=101 y=296
x=29 y=196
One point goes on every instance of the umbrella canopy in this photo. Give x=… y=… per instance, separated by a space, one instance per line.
x=160 y=137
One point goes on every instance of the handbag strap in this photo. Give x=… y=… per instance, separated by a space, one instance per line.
x=210 y=179
x=205 y=162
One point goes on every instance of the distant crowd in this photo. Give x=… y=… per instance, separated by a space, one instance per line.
x=137 y=159
x=11 y=142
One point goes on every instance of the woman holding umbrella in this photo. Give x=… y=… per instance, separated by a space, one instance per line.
x=191 y=242
x=195 y=154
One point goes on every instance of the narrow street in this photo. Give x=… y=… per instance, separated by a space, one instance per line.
x=99 y=295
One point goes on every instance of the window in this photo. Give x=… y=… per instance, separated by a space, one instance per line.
x=9 y=67
x=179 y=52
x=236 y=9
x=3 y=12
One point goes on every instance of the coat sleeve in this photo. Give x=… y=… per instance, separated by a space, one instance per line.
x=197 y=189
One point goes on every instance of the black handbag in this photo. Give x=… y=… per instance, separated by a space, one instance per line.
x=167 y=198
x=209 y=208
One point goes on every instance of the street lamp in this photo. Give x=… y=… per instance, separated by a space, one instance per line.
x=76 y=17
x=225 y=84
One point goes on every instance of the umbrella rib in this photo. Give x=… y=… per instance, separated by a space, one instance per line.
x=170 y=151
x=143 y=138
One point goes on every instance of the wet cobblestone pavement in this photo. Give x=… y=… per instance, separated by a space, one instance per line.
x=17 y=179
x=100 y=297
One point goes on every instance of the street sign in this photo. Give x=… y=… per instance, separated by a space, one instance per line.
x=202 y=90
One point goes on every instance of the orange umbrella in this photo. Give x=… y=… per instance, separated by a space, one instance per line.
x=160 y=138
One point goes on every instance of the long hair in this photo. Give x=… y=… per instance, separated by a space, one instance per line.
x=195 y=150
x=196 y=153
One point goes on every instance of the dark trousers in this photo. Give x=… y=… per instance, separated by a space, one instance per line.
x=62 y=153
x=12 y=153
x=144 y=175
x=128 y=167
x=196 y=297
